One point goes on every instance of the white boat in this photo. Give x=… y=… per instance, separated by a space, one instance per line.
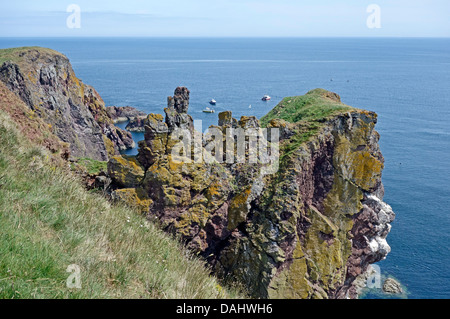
x=208 y=110
x=266 y=98
x=213 y=102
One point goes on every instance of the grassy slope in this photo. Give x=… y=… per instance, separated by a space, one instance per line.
x=48 y=221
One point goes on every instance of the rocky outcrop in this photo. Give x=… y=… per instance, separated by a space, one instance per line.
x=309 y=229
x=136 y=124
x=124 y=113
x=305 y=231
x=32 y=126
x=392 y=286
x=46 y=82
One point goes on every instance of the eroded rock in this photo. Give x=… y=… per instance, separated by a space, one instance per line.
x=392 y=286
x=124 y=113
x=306 y=231
x=46 y=82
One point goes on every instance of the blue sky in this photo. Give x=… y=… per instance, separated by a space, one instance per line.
x=226 y=18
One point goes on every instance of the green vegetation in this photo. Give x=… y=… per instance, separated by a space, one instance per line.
x=316 y=105
x=93 y=166
x=48 y=221
x=302 y=135
x=308 y=112
x=14 y=54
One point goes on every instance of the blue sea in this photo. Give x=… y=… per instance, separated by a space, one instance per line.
x=406 y=81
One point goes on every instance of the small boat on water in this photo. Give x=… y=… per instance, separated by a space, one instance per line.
x=208 y=110
x=266 y=98
x=213 y=102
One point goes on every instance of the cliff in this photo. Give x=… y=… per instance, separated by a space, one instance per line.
x=307 y=230
x=32 y=126
x=45 y=81
x=303 y=220
x=50 y=221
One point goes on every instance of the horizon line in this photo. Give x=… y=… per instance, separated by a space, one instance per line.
x=225 y=37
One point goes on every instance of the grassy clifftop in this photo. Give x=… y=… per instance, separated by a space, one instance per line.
x=316 y=105
x=48 y=221
x=305 y=115
x=16 y=54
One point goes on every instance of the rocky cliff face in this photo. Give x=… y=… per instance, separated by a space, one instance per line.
x=32 y=126
x=305 y=231
x=46 y=82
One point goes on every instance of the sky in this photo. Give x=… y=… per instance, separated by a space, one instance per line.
x=226 y=18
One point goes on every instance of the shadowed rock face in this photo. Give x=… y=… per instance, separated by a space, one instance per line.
x=180 y=100
x=46 y=82
x=32 y=127
x=306 y=231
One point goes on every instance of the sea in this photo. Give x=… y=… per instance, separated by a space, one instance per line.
x=405 y=80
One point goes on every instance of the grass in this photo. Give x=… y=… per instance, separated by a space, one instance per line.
x=93 y=166
x=13 y=54
x=48 y=221
x=311 y=107
x=309 y=112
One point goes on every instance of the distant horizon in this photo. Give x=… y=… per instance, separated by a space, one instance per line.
x=224 y=37
x=226 y=19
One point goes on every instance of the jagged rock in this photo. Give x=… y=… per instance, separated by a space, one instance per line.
x=124 y=113
x=226 y=119
x=176 y=110
x=32 y=126
x=125 y=172
x=249 y=122
x=136 y=125
x=306 y=231
x=118 y=138
x=180 y=100
x=133 y=197
x=155 y=140
x=392 y=286
x=175 y=119
x=284 y=127
x=46 y=82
